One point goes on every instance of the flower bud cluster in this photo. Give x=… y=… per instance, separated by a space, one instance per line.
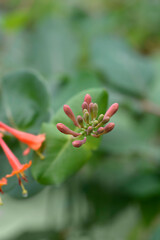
x=89 y=124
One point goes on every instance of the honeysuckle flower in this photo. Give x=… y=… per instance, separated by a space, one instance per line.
x=3 y=181
x=90 y=124
x=18 y=168
x=34 y=142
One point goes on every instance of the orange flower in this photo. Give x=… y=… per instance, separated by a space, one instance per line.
x=18 y=168
x=34 y=142
x=3 y=181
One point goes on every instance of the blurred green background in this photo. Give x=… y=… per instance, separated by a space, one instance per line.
x=74 y=45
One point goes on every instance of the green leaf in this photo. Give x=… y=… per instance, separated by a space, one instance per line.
x=128 y=136
x=117 y=228
x=123 y=67
x=155 y=235
x=16 y=20
x=24 y=100
x=54 y=49
x=61 y=159
x=153 y=94
x=143 y=185
x=68 y=87
x=51 y=48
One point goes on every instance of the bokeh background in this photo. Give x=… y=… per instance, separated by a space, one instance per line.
x=75 y=45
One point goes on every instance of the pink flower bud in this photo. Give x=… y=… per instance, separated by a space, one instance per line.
x=87 y=99
x=105 y=120
x=95 y=123
x=112 y=110
x=89 y=130
x=95 y=110
x=109 y=127
x=63 y=129
x=100 y=118
x=86 y=117
x=91 y=111
x=96 y=136
x=79 y=143
x=85 y=106
x=80 y=121
x=70 y=114
x=100 y=130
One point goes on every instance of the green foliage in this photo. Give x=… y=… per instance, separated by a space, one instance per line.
x=24 y=100
x=76 y=46
x=118 y=61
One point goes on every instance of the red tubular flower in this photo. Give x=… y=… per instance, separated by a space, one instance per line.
x=3 y=181
x=33 y=142
x=18 y=168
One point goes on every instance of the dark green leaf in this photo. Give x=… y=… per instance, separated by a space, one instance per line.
x=25 y=100
x=123 y=67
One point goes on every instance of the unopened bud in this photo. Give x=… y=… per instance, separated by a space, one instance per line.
x=86 y=117
x=95 y=135
x=112 y=110
x=80 y=121
x=89 y=130
x=70 y=114
x=105 y=120
x=84 y=106
x=79 y=143
x=109 y=127
x=63 y=129
x=95 y=110
x=100 y=118
x=87 y=99
x=85 y=110
x=91 y=109
x=100 y=130
x=95 y=122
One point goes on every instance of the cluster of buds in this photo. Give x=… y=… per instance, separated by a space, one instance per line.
x=90 y=124
x=34 y=142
